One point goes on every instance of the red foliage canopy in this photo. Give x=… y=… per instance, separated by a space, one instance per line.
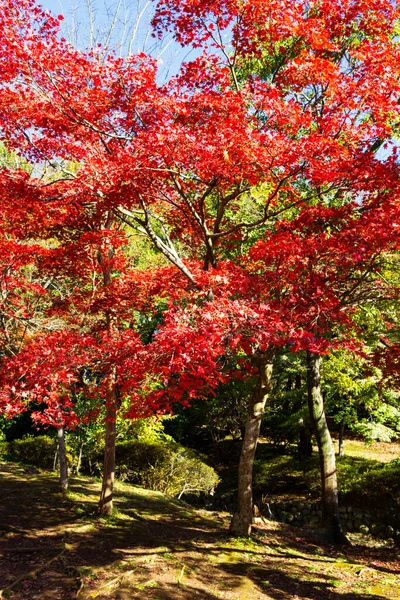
x=207 y=166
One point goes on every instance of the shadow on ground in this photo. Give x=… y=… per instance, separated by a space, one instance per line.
x=155 y=548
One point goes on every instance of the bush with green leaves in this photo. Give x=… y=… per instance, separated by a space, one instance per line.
x=383 y=424
x=375 y=486
x=38 y=451
x=3 y=448
x=165 y=467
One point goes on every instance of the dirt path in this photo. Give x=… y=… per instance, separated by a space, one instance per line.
x=157 y=549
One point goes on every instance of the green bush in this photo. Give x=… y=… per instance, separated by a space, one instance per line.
x=38 y=451
x=377 y=487
x=3 y=449
x=164 y=467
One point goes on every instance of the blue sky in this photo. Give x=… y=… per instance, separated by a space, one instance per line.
x=88 y=22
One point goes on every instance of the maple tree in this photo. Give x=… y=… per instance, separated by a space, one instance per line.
x=46 y=74
x=322 y=113
x=45 y=374
x=282 y=120
x=328 y=268
x=300 y=286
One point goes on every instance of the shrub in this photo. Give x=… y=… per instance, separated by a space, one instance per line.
x=372 y=431
x=164 y=467
x=3 y=449
x=38 y=451
x=377 y=487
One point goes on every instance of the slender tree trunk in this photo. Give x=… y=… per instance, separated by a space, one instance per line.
x=79 y=462
x=55 y=459
x=107 y=489
x=63 y=460
x=304 y=444
x=106 y=497
x=341 y=437
x=330 y=504
x=243 y=518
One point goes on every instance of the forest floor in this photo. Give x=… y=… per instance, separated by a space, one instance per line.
x=154 y=548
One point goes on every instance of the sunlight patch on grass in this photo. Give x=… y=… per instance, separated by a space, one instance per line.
x=379 y=451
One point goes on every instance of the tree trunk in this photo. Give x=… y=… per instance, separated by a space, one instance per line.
x=304 y=445
x=107 y=489
x=55 y=460
x=330 y=504
x=341 y=437
x=106 y=497
x=79 y=462
x=63 y=460
x=242 y=519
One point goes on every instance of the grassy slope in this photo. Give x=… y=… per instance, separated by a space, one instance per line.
x=157 y=549
x=364 y=477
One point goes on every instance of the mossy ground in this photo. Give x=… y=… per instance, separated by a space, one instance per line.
x=155 y=548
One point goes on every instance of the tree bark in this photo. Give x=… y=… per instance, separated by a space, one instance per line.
x=341 y=437
x=243 y=518
x=330 y=504
x=63 y=460
x=107 y=489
